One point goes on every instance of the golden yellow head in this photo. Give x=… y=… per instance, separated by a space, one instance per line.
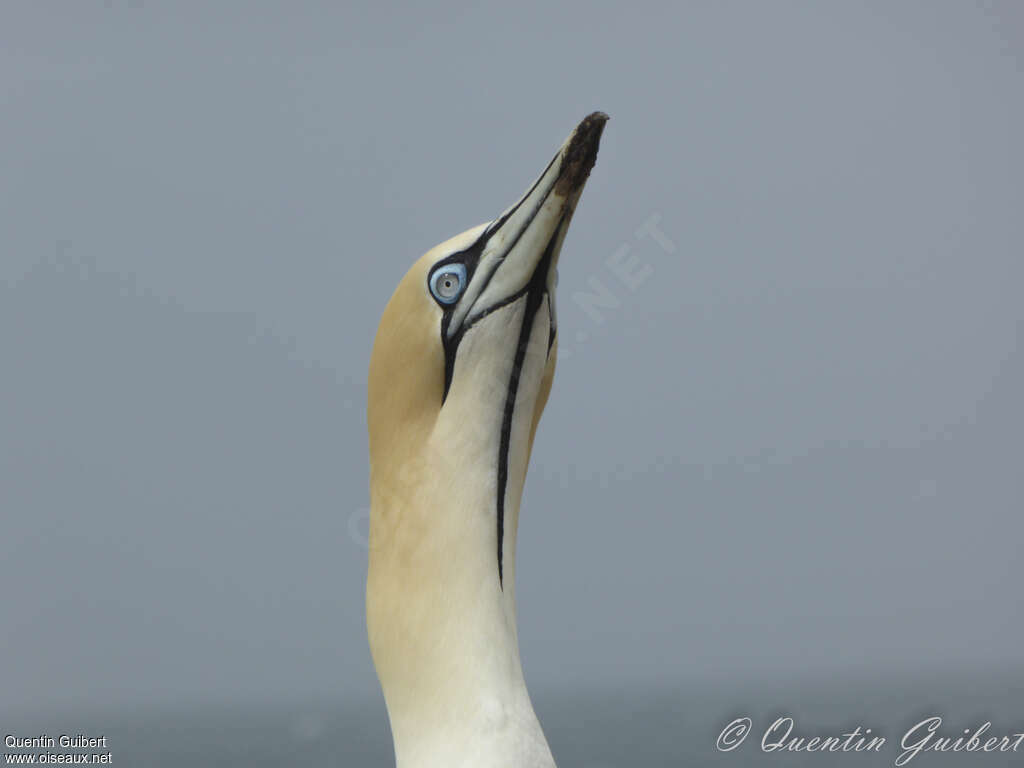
x=469 y=333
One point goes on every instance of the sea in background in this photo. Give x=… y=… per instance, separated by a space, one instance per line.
x=666 y=725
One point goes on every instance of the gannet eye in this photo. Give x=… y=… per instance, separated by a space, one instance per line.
x=447 y=283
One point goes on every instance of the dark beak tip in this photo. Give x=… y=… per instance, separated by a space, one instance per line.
x=582 y=153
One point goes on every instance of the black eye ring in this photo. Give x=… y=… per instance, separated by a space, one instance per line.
x=448 y=282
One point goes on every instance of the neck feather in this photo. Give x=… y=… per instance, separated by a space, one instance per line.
x=442 y=627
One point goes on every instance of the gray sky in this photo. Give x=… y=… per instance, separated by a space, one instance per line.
x=794 y=448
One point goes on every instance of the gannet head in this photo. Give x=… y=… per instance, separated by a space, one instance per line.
x=461 y=369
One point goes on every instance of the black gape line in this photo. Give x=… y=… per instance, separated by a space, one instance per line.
x=470 y=258
x=536 y=292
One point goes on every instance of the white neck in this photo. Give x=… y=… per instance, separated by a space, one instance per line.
x=444 y=638
x=442 y=627
x=442 y=624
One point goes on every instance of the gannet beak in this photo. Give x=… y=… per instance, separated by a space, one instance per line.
x=517 y=253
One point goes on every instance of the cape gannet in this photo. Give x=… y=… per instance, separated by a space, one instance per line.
x=461 y=369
